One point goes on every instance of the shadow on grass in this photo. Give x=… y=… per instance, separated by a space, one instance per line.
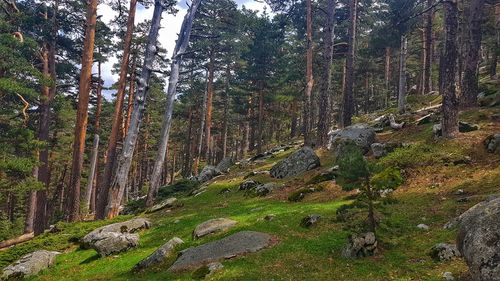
x=91 y=259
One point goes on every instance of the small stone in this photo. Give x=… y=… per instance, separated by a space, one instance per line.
x=444 y=252
x=269 y=217
x=448 y=276
x=249 y=184
x=310 y=220
x=459 y=192
x=423 y=226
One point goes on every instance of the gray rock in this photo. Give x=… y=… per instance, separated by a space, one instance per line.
x=264 y=189
x=167 y=203
x=492 y=143
x=225 y=164
x=208 y=173
x=361 y=245
x=234 y=245
x=110 y=243
x=129 y=226
x=423 y=226
x=304 y=159
x=214 y=267
x=361 y=134
x=378 y=150
x=478 y=239
x=29 y=265
x=448 y=276
x=463 y=127
x=212 y=226
x=489 y=100
x=310 y=220
x=444 y=252
x=159 y=256
x=249 y=184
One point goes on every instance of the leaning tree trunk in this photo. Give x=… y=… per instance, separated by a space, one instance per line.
x=402 y=75
x=470 y=78
x=449 y=59
x=309 y=77
x=117 y=115
x=73 y=206
x=348 y=97
x=326 y=85
x=428 y=48
x=180 y=48
x=117 y=188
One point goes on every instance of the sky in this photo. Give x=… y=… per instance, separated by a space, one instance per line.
x=168 y=33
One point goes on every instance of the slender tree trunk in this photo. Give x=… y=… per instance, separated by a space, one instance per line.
x=187 y=151
x=90 y=183
x=402 y=75
x=428 y=48
x=450 y=100
x=210 y=95
x=200 y=131
x=226 y=114
x=179 y=50
x=309 y=77
x=471 y=72
x=97 y=127
x=294 y=122
x=260 y=124
x=387 y=76
x=131 y=92
x=348 y=98
x=324 y=117
x=117 y=117
x=421 y=78
x=30 y=211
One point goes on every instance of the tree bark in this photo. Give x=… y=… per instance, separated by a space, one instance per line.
x=326 y=85
x=309 y=76
x=210 y=95
x=131 y=92
x=226 y=114
x=90 y=183
x=260 y=124
x=470 y=86
x=187 y=151
x=450 y=100
x=387 y=76
x=402 y=75
x=428 y=48
x=97 y=128
x=179 y=50
x=348 y=98
x=203 y=114
x=117 y=115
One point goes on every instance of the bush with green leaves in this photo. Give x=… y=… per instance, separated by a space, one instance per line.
x=355 y=172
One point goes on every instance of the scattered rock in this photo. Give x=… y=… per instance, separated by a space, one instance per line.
x=29 y=265
x=444 y=252
x=489 y=100
x=492 y=143
x=448 y=276
x=463 y=127
x=362 y=134
x=208 y=173
x=362 y=245
x=269 y=217
x=385 y=192
x=394 y=125
x=459 y=192
x=300 y=161
x=160 y=254
x=495 y=117
x=423 y=226
x=478 y=239
x=213 y=225
x=310 y=220
x=167 y=203
x=463 y=160
x=225 y=164
x=214 y=267
x=110 y=243
x=378 y=150
x=228 y=247
x=264 y=189
x=129 y=226
x=249 y=184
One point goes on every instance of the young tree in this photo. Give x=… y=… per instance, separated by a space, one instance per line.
x=348 y=96
x=402 y=75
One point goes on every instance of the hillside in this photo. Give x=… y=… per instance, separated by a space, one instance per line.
x=437 y=187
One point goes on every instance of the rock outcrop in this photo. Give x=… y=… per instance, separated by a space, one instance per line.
x=167 y=203
x=303 y=160
x=29 y=265
x=159 y=256
x=225 y=164
x=212 y=226
x=444 y=252
x=361 y=134
x=208 y=173
x=362 y=245
x=110 y=243
x=492 y=143
x=129 y=226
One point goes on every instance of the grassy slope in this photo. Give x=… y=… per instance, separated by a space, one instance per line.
x=428 y=196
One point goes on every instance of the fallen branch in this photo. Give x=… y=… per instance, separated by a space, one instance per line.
x=17 y=240
x=394 y=125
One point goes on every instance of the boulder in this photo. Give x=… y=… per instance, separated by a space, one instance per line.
x=225 y=164
x=129 y=226
x=232 y=246
x=213 y=225
x=478 y=239
x=310 y=220
x=304 y=159
x=167 y=203
x=448 y=276
x=423 y=226
x=110 y=243
x=159 y=256
x=492 y=143
x=249 y=184
x=378 y=150
x=361 y=245
x=264 y=189
x=444 y=252
x=489 y=100
x=29 y=265
x=361 y=134
x=208 y=173
x=463 y=127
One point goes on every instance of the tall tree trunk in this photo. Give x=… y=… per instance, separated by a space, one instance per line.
x=387 y=76
x=203 y=114
x=428 y=48
x=30 y=210
x=117 y=116
x=187 y=151
x=471 y=72
x=90 y=182
x=226 y=114
x=295 y=121
x=97 y=128
x=348 y=98
x=179 y=50
x=450 y=100
x=260 y=124
x=324 y=117
x=131 y=92
x=309 y=77
x=210 y=96
x=402 y=75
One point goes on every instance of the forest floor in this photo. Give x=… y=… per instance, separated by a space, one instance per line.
x=429 y=196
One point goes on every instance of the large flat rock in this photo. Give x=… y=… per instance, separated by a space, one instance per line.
x=302 y=160
x=159 y=256
x=212 y=226
x=234 y=245
x=29 y=265
x=129 y=226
